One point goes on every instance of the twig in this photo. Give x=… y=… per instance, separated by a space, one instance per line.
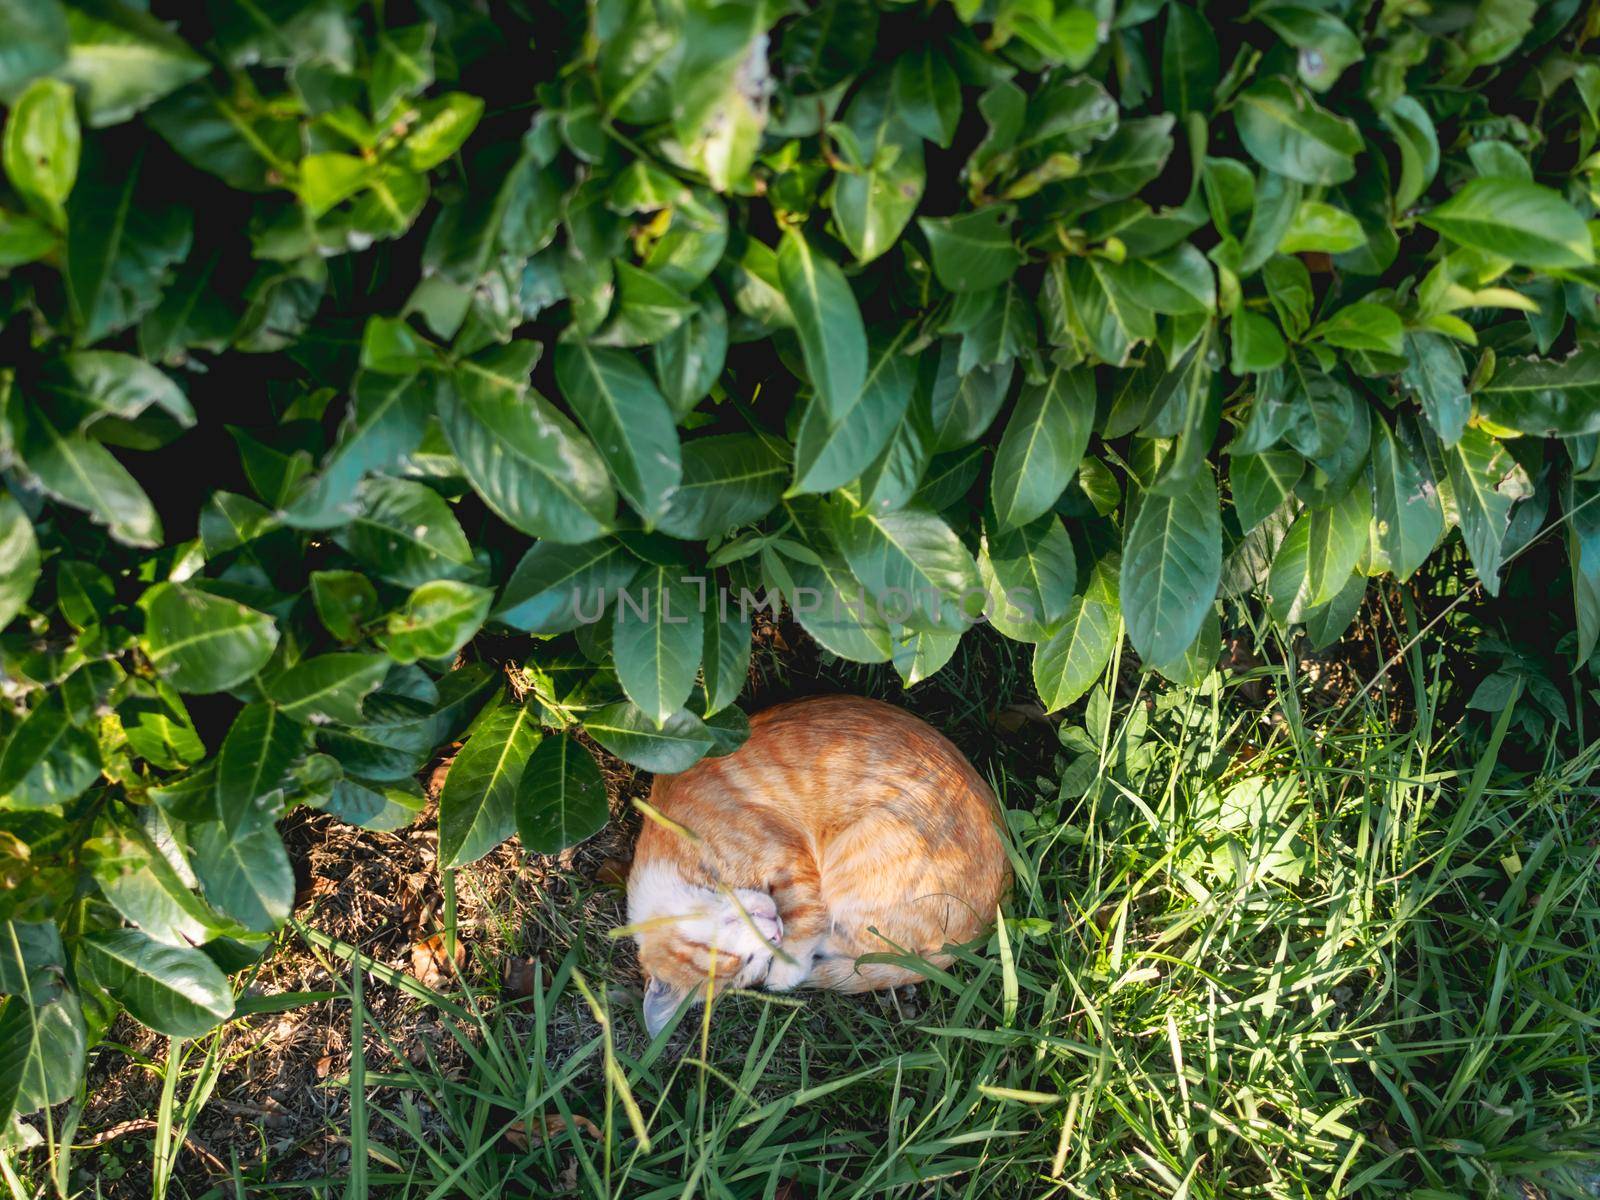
x=146 y=1125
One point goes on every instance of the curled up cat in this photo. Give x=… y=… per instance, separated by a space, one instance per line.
x=843 y=827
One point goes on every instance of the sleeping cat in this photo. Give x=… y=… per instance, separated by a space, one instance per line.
x=843 y=827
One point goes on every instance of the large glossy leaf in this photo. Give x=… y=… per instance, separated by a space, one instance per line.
x=329 y=687
x=1042 y=446
x=1515 y=219
x=1028 y=576
x=914 y=567
x=123 y=59
x=176 y=991
x=120 y=249
x=84 y=474
x=562 y=797
x=1289 y=133
x=728 y=480
x=405 y=533
x=260 y=745
x=725 y=656
x=1336 y=536
x=42 y=1045
x=974 y=251
x=656 y=635
x=1067 y=664
x=36 y=41
x=245 y=873
x=1406 y=504
x=672 y=746
x=437 y=620
x=1171 y=566
x=1545 y=397
x=831 y=451
x=19 y=559
x=203 y=642
x=529 y=463
x=828 y=321
x=384 y=423
x=556 y=588
x=873 y=203
x=1485 y=480
x=1260 y=482
x=477 y=805
x=628 y=419
x=47 y=760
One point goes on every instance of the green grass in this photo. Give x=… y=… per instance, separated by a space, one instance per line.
x=1355 y=962
x=1253 y=950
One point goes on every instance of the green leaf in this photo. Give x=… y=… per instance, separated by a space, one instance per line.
x=1319 y=226
x=19 y=559
x=245 y=873
x=1288 y=133
x=725 y=656
x=562 y=798
x=1326 y=623
x=1191 y=62
x=1419 y=149
x=832 y=337
x=175 y=991
x=1544 y=397
x=1336 y=536
x=1171 y=566
x=913 y=565
x=90 y=385
x=1510 y=218
x=120 y=249
x=383 y=425
x=36 y=41
x=556 y=588
x=1410 y=519
x=648 y=308
x=974 y=251
x=260 y=745
x=830 y=452
x=656 y=635
x=1435 y=374
x=1485 y=480
x=689 y=360
x=83 y=473
x=965 y=403
x=122 y=60
x=406 y=533
x=629 y=420
x=928 y=93
x=1042 y=446
x=1028 y=575
x=202 y=642
x=671 y=747
x=42 y=1044
x=477 y=805
x=41 y=146
x=1066 y=665
x=1261 y=482
x=529 y=463
x=1327 y=46
x=47 y=760
x=728 y=480
x=345 y=601
x=329 y=687
x=437 y=620
x=872 y=205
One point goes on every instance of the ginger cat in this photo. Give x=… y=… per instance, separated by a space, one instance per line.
x=843 y=827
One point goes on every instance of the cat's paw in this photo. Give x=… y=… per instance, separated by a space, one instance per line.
x=785 y=976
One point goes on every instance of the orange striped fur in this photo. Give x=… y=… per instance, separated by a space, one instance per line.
x=843 y=827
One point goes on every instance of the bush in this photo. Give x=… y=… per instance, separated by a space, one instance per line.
x=359 y=357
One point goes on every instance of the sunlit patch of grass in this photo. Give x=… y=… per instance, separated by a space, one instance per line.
x=1348 y=961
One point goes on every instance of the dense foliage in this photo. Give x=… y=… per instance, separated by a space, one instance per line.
x=354 y=357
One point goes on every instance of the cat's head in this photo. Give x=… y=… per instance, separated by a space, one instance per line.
x=688 y=934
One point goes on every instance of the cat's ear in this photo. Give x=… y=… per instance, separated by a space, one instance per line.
x=660 y=1002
